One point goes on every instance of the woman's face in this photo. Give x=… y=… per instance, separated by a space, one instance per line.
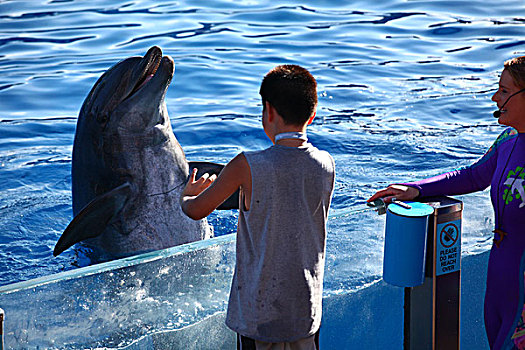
x=512 y=113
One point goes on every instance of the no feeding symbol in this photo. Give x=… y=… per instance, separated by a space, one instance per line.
x=449 y=235
x=448 y=248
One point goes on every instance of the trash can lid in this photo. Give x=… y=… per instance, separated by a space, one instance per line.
x=416 y=209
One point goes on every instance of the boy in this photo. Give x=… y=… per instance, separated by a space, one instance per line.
x=286 y=189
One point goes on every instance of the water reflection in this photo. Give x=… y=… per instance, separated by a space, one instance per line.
x=404 y=92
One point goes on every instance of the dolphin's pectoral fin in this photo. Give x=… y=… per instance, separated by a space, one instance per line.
x=92 y=220
x=213 y=168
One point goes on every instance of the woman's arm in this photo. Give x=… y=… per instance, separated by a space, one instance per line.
x=475 y=177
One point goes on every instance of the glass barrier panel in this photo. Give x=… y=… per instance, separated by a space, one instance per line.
x=176 y=298
x=116 y=304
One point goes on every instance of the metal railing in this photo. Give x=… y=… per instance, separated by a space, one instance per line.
x=1 y=329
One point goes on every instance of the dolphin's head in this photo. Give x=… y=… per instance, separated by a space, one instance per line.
x=124 y=113
x=129 y=97
x=128 y=168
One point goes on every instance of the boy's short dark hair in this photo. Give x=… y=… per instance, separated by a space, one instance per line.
x=292 y=91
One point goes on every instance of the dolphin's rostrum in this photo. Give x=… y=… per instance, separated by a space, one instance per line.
x=128 y=169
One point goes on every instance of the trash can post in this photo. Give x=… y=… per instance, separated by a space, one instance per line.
x=432 y=310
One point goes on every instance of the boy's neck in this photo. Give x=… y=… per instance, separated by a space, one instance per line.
x=291 y=138
x=274 y=125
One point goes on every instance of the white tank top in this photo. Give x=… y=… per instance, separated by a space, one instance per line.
x=277 y=286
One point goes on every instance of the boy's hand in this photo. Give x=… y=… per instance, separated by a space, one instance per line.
x=202 y=196
x=195 y=187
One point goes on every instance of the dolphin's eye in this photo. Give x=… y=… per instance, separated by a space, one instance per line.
x=102 y=118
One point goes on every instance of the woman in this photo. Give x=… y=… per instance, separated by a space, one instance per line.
x=502 y=168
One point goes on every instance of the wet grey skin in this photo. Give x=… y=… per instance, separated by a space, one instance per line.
x=128 y=169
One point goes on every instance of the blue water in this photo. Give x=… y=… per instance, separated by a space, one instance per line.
x=404 y=92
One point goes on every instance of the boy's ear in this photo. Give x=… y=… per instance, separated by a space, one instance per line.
x=271 y=111
x=311 y=118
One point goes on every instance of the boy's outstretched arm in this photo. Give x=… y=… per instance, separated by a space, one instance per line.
x=202 y=196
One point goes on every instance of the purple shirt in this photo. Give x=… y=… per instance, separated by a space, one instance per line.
x=502 y=168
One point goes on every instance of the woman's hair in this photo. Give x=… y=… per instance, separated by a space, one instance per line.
x=516 y=69
x=292 y=91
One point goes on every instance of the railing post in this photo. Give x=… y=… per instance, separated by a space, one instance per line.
x=432 y=310
x=1 y=329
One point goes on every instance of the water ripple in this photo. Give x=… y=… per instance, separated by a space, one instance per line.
x=207 y=28
x=42 y=40
x=86 y=28
x=401 y=84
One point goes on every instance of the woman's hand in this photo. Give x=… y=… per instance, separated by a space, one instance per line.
x=395 y=192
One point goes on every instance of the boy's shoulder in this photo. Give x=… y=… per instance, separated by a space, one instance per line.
x=322 y=155
x=289 y=158
x=309 y=149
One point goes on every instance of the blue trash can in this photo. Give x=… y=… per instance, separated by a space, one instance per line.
x=405 y=244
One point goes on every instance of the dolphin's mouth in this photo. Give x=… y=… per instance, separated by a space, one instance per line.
x=153 y=58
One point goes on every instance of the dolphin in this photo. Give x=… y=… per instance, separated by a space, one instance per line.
x=128 y=169
x=517 y=186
